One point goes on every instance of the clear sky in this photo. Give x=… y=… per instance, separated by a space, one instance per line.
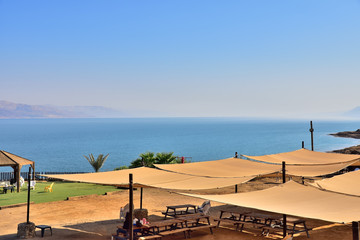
x=274 y=58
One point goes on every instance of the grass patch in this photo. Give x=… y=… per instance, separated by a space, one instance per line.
x=61 y=190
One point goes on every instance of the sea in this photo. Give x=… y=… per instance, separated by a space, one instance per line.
x=59 y=145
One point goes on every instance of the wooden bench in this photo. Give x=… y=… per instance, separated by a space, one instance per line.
x=236 y=223
x=292 y=227
x=210 y=227
x=174 y=231
x=150 y=237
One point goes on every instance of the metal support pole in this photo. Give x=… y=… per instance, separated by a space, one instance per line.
x=141 y=197
x=312 y=136
x=236 y=188
x=131 y=206
x=284 y=225
x=28 y=200
x=284 y=215
x=355 y=229
x=283 y=172
x=302 y=144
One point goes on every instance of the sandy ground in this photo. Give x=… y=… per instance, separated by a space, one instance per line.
x=96 y=217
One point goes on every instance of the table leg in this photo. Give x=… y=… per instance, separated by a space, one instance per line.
x=166 y=213
x=221 y=213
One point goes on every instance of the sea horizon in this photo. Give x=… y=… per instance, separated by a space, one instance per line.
x=59 y=144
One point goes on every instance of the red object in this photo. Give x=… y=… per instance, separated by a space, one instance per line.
x=182 y=159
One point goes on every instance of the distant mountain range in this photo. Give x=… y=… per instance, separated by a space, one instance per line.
x=353 y=113
x=15 y=110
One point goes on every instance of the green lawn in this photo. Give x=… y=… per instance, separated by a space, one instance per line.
x=61 y=190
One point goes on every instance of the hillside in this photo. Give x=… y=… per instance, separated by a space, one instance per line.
x=15 y=110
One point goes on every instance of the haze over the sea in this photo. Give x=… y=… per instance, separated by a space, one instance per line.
x=272 y=59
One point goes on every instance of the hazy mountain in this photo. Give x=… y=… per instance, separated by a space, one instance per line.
x=353 y=113
x=15 y=110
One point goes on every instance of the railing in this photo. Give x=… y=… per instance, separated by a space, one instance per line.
x=7 y=176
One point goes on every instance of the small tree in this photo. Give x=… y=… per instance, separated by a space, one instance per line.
x=121 y=168
x=146 y=159
x=165 y=158
x=98 y=163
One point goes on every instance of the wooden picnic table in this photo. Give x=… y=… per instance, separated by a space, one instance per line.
x=159 y=228
x=266 y=222
x=194 y=222
x=179 y=210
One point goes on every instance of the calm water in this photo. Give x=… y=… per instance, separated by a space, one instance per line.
x=59 y=144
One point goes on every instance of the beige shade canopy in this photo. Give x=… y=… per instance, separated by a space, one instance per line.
x=295 y=199
x=236 y=167
x=150 y=177
x=9 y=159
x=230 y=167
x=304 y=156
x=347 y=183
x=316 y=170
x=16 y=162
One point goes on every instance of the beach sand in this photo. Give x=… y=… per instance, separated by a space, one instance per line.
x=96 y=217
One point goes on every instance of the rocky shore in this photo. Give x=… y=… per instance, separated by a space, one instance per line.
x=348 y=134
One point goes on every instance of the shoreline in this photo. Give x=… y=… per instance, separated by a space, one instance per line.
x=348 y=134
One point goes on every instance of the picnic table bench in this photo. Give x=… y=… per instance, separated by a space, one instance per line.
x=294 y=226
x=265 y=222
x=194 y=222
x=179 y=210
x=159 y=229
x=181 y=224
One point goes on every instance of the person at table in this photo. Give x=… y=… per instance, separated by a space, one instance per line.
x=126 y=226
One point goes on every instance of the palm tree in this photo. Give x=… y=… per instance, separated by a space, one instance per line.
x=146 y=159
x=165 y=158
x=98 y=163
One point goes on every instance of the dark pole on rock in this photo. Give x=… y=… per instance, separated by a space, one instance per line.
x=131 y=206
x=302 y=144
x=284 y=215
x=28 y=200
x=236 y=188
x=312 y=136
x=355 y=229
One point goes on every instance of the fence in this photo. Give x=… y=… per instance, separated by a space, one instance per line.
x=7 y=176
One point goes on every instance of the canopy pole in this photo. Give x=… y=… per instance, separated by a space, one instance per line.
x=236 y=188
x=131 y=206
x=141 y=197
x=18 y=169
x=33 y=174
x=355 y=229
x=284 y=215
x=283 y=172
x=28 y=199
x=312 y=136
x=302 y=144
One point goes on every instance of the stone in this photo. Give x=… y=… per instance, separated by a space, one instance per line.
x=26 y=230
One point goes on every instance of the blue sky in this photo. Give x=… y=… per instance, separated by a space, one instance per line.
x=254 y=58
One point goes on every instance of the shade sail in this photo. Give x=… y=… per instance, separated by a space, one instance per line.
x=230 y=167
x=236 y=167
x=9 y=159
x=304 y=156
x=316 y=170
x=295 y=199
x=347 y=183
x=150 y=177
